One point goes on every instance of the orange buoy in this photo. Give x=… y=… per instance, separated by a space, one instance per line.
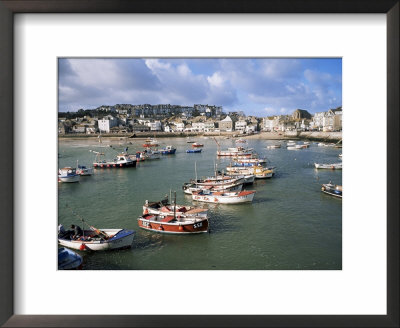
x=180 y=228
x=160 y=227
x=82 y=247
x=120 y=165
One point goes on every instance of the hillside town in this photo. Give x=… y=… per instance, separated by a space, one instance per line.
x=126 y=118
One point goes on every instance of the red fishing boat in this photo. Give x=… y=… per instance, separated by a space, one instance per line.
x=150 y=143
x=174 y=224
x=197 y=145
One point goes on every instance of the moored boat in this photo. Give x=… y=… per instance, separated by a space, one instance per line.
x=195 y=144
x=98 y=239
x=331 y=189
x=150 y=143
x=333 y=166
x=68 y=174
x=224 y=197
x=149 y=154
x=68 y=260
x=194 y=150
x=168 y=150
x=120 y=161
x=274 y=146
x=190 y=188
x=259 y=172
x=163 y=207
x=235 y=151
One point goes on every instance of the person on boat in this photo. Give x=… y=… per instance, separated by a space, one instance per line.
x=77 y=231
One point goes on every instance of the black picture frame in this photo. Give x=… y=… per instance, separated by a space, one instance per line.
x=10 y=7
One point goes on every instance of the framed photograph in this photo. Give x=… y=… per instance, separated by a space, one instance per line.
x=101 y=79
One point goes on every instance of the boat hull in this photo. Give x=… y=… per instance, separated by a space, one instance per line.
x=69 y=179
x=114 y=165
x=194 y=227
x=337 y=166
x=242 y=197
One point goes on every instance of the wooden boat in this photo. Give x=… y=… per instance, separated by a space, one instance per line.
x=68 y=174
x=224 y=197
x=163 y=207
x=168 y=150
x=333 y=166
x=197 y=145
x=150 y=143
x=331 y=189
x=174 y=224
x=121 y=161
x=98 y=239
x=68 y=260
x=259 y=172
x=194 y=150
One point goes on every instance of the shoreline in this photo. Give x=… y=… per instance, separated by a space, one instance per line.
x=307 y=135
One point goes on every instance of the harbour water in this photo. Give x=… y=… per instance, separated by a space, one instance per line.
x=290 y=225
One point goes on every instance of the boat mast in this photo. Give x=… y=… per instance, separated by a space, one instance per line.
x=174 y=204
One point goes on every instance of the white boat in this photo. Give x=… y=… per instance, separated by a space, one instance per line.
x=340 y=155
x=83 y=170
x=224 y=197
x=292 y=148
x=273 y=146
x=68 y=260
x=321 y=144
x=68 y=174
x=98 y=239
x=235 y=151
x=249 y=161
x=333 y=166
x=291 y=143
x=333 y=190
x=190 y=188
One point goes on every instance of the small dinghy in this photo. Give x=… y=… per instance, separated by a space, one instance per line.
x=194 y=150
x=68 y=260
x=333 y=166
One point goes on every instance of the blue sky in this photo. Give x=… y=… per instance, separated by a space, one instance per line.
x=256 y=86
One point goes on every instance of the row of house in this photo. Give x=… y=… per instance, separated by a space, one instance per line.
x=301 y=119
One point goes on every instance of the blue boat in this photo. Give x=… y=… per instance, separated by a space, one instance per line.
x=68 y=260
x=168 y=150
x=193 y=151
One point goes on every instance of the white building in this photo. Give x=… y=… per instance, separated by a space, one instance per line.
x=240 y=125
x=209 y=126
x=106 y=124
x=155 y=126
x=198 y=126
x=180 y=126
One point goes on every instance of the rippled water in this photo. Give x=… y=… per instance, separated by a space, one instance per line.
x=291 y=224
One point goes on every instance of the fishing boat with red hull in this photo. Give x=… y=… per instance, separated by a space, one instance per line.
x=174 y=224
